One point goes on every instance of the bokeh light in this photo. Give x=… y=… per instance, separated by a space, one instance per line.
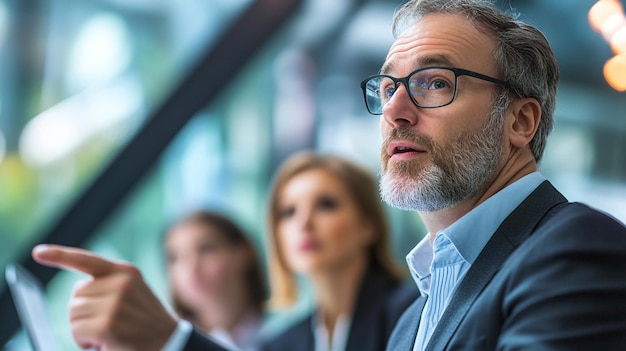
x=618 y=41
x=615 y=72
x=604 y=12
x=607 y=17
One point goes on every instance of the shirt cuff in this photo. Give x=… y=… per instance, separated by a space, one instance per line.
x=179 y=337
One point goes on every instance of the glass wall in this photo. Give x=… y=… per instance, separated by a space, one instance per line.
x=81 y=77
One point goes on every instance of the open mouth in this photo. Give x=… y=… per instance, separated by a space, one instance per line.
x=402 y=147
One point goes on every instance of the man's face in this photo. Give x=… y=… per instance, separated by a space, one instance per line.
x=436 y=158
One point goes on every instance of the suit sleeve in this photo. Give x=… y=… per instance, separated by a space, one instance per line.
x=569 y=290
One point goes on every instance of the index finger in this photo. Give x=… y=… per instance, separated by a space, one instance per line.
x=73 y=258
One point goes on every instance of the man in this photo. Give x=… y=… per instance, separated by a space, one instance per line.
x=508 y=264
x=466 y=96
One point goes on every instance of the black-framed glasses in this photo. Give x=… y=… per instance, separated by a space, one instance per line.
x=429 y=87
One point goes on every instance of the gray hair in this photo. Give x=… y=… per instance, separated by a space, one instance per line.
x=523 y=56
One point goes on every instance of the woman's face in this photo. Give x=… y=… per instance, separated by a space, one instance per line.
x=320 y=227
x=203 y=267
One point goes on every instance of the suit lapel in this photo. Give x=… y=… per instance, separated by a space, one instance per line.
x=375 y=286
x=511 y=233
x=303 y=336
x=405 y=332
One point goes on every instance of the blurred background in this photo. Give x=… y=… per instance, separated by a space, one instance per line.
x=81 y=79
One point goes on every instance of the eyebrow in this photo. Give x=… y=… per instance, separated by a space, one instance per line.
x=434 y=60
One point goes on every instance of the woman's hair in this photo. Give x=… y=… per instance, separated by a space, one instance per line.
x=361 y=186
x=522 y=57
x=233 y=235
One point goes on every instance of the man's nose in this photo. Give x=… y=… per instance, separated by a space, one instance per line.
x=400 y=109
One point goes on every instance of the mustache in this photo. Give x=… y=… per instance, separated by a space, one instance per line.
x=406 y=134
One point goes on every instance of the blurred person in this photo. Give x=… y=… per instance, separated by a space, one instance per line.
x=215 y=279
x=327 y=224
x=466 y=97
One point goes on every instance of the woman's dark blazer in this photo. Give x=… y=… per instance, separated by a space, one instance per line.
x=380 y=303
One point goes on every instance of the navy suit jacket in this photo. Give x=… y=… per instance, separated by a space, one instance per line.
x=552 y=277
x=379 y=305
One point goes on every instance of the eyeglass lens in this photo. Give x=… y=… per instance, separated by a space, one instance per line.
x=431 y=87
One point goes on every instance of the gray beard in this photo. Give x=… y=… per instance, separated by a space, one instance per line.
x=455 y=173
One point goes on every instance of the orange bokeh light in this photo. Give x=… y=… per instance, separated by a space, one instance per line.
x=615 y=72
x=602 y=11
x=618 y=41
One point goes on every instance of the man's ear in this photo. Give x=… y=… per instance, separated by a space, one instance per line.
x=526 y=117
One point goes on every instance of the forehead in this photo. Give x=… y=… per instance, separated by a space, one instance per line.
x=441 y=39
x=188 y=229
x=310 y=180
x=309 y=183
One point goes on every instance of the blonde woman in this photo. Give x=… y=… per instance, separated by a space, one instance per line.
x=327 y=224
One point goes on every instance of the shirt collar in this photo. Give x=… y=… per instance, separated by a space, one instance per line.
x=482 y=222
x=340 y=333
x=244 y=335
x=419 y=260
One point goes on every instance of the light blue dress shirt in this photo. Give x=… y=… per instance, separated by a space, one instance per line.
x=438 y=269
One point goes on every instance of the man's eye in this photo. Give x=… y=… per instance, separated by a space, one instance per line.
x=386 y=91
x=437 y=84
